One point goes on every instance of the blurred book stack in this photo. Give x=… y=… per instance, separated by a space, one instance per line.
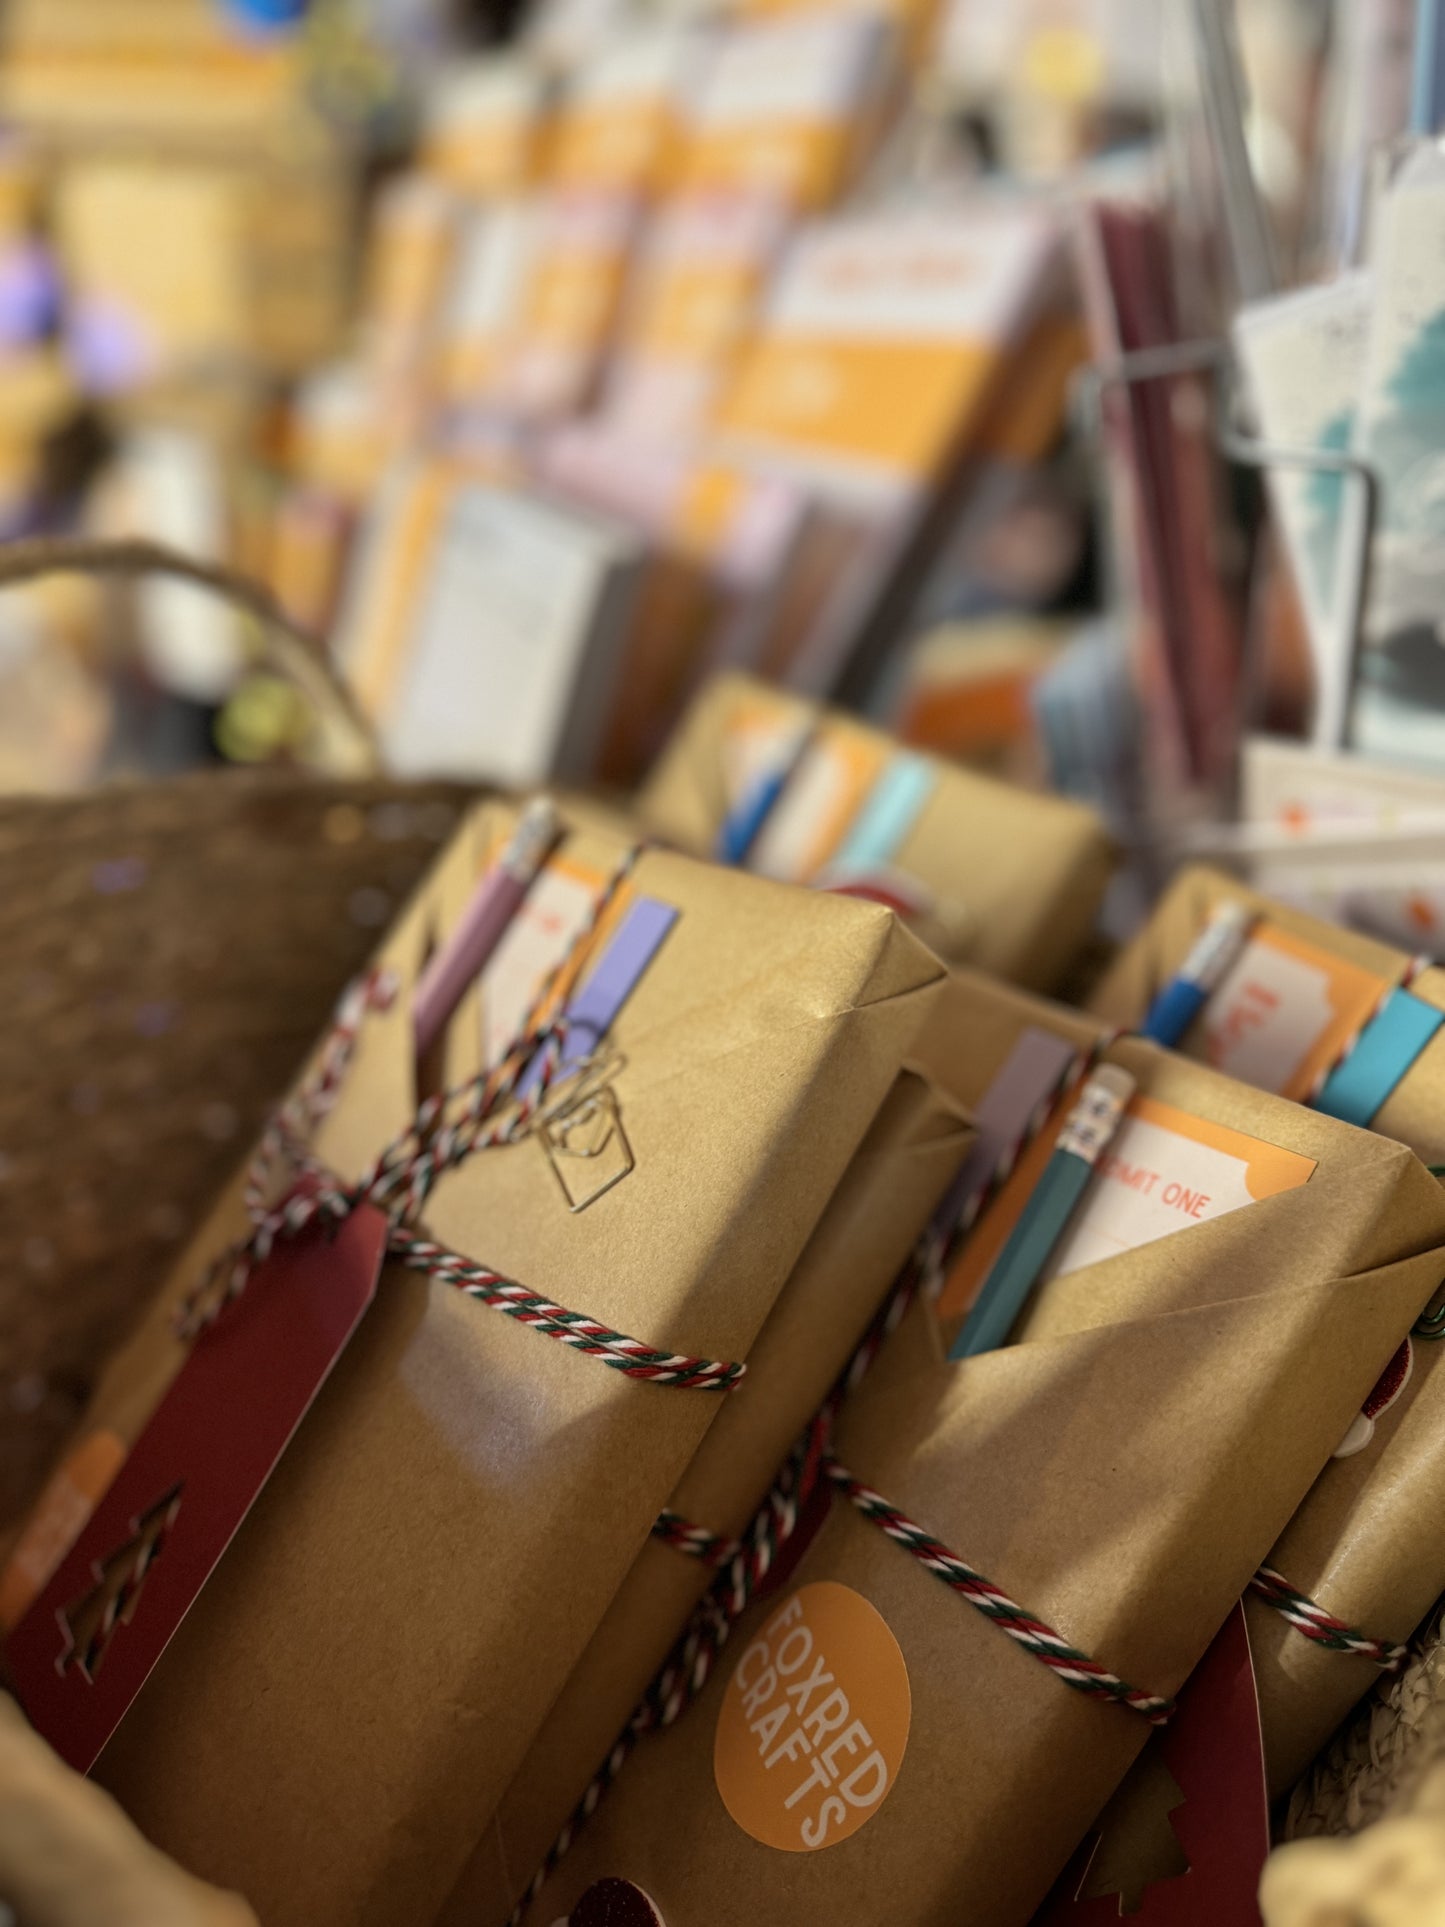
x=1008 y=377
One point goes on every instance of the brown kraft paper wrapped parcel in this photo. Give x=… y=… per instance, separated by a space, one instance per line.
x=1119 y=1471
x=350 y=1695
x=1368 y=1544
x=1016 y=878
x=881 y=1206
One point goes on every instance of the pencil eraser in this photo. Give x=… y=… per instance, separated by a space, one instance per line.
x=1096 y=1113
x=1232 y=914
x=1219 y=944
x=1116 y=1081
x=537 y=830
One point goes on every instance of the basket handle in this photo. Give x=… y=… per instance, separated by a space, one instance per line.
x=293 y=649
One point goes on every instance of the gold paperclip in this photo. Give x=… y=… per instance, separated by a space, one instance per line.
x=580 y=1128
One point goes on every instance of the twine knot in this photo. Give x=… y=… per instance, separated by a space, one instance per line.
x=289 y=1190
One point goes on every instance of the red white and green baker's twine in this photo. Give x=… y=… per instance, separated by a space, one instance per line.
x=1302 y=1612
x=1322 y=1627
x=742 y=1565
x=488 y=1111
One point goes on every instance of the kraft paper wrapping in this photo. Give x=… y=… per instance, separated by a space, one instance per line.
x=356 y=1686
x=1368 y=1544
x=888 y=1192
x=1120 y=1471
x=1024 y=872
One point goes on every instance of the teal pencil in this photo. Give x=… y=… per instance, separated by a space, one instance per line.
x=1085 y=1137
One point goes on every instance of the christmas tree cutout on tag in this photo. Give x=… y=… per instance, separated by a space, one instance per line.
x=90 y=1624
x=614 y=1903
x=1138 y=1847
x=1184 y=1839
x=87 y=1642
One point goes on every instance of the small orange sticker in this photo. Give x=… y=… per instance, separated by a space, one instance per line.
x=814 y=1723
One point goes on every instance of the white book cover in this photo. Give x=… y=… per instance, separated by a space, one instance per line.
x=1303 y=358
x=514 y=643
x=1399 y=707
x=881 y=340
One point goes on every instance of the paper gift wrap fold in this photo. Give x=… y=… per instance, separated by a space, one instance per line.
x=883 y=1203
x=1368 y=1544
x=880 y=1740
x=346 y=1701
x=996 y=877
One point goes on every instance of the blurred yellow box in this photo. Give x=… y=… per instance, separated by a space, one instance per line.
x=203 y=211
x=178 y=262
x=147 y=67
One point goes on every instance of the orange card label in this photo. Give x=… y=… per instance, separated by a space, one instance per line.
x=819 y=805
x=1164 y=1170
x=544 y=934
x=1284 y=1011
x=815 y=1721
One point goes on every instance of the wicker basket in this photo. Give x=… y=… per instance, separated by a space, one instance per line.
x=1366 y=1826
x=167 y=956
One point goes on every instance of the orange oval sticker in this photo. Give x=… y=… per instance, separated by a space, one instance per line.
x=814 y=1722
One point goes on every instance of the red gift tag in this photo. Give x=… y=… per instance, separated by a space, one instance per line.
x=1185 y=1840
x=86 y=1646
x=614 y=1903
